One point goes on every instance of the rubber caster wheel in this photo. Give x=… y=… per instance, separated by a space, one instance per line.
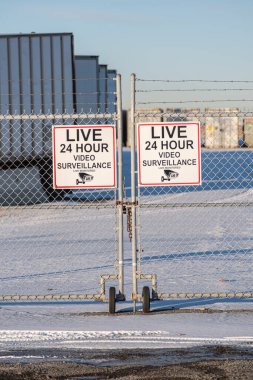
x=112 y=300
x=146 y=299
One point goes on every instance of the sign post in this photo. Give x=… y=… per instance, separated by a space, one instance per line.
x=169 y=154
x=84 y=156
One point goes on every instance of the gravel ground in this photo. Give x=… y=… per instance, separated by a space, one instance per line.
x=216 y=362
x=214 y=369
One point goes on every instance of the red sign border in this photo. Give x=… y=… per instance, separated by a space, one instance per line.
x=54 y=127
x=174 y=183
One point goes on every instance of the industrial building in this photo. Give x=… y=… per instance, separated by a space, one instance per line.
x=221 y=128
x=221 y=131
x=40 y=74
x=87 y=83
x=247 y=132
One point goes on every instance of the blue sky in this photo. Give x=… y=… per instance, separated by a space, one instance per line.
x=166 y=39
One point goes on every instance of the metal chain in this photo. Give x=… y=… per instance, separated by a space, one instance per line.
x=129 y=221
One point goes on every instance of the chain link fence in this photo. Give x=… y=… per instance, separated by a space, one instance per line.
x=196 y=241
x=55 y=244
x=188 y=241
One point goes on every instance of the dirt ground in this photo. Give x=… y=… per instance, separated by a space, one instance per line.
x=213 y=369
x=217 y=362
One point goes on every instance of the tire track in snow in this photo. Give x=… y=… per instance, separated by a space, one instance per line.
x=105 y=339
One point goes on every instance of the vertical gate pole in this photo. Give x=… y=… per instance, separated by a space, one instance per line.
x=120 y=187
x=133 y=196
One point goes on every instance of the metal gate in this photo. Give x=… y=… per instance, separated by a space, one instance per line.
x=195 y=241
x=186 y=241
x=56 y=244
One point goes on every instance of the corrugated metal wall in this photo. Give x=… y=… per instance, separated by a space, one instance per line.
x=87 y=83
x=36 y=75
x=102 y=88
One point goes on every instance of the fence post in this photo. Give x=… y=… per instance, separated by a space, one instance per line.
x=120 y=187
x=133 y=196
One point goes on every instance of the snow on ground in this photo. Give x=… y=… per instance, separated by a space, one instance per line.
x=58 y=250
x=66 y=249
x=87 y=326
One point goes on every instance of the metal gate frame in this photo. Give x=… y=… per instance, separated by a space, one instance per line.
x=137 y=274
x=119 y=275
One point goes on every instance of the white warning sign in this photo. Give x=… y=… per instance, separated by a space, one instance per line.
x=84 y=156
x=169 y=154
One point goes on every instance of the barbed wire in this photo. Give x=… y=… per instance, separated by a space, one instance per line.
x=195 y=90
x=197 y=101
x=173 y=113
x=193 y=80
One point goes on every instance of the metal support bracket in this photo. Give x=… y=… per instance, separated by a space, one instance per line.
x=103 y=279
x=154 y=293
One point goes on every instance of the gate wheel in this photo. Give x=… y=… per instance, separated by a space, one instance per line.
x=146 y=299
x=112 y=300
